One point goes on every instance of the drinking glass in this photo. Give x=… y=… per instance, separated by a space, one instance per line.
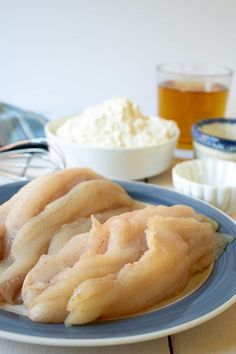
x=188 y=93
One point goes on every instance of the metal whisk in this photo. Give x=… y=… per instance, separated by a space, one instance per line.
x=27 y=159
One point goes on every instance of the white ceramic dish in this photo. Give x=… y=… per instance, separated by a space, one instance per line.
x=211 y=180
x=215 y=138
x=115 y=163
x=206 y=152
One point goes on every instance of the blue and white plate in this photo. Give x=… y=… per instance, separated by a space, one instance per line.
x=216 y=294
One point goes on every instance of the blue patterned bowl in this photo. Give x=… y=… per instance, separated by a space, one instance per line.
x=215 y=138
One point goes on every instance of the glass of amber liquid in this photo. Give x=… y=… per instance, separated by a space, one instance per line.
x=188 y=93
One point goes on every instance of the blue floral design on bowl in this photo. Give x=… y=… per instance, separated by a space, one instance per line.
x=212 y=141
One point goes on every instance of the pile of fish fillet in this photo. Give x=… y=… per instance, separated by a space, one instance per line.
x=76 y=247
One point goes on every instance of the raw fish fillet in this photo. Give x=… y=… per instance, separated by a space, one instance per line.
x=51 y=267
x=122 y=240
x=4 y=211
x=33 y=238
x=82 y=225
x=48 y=267
x=32 y=199
x=83 y=200
x=177 y=247
x=42 y=308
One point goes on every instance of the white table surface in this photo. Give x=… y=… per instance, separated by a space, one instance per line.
x=217 y=336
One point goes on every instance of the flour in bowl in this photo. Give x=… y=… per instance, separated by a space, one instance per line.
x=117 y=123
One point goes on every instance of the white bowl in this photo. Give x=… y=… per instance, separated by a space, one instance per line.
x=115 y=163
x=211 y=180
x=206 y=152
x=215 y=138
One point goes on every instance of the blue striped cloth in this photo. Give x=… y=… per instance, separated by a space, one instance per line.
x=17 y=124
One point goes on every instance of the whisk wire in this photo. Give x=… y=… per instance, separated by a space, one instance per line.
x=28 y=159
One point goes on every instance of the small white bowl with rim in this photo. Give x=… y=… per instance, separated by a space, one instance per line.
x=211 y=180
x=215 y=138
x=114 y=163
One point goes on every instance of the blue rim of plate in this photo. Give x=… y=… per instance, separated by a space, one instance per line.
x=212 y=141
x=212 y=298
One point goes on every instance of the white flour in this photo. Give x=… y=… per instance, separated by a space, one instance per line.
x=116 y=123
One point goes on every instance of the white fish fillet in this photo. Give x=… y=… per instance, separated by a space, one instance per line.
x=82 y=225
x=32 y=198
x=42 y=307
x=177 y=247
x=33 y=238
x=48 y=266
x=83 y=200
x=123 y=238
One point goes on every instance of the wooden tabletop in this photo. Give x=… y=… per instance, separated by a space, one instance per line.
x=217 y=336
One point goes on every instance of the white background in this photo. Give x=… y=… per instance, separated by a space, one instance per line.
x=59 y=56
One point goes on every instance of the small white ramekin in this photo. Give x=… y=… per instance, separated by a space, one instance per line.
x=211 y=180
